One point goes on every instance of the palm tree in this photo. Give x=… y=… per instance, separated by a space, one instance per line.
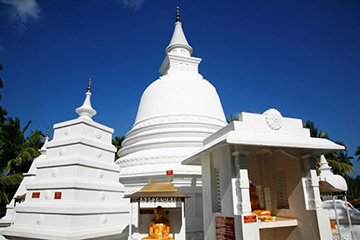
x=357 y=152
x=233 y=118
x=314 y=132
x=17 y=151
x=3 y=112
x=117 y=142
x=16 y=155
x=9 y=182
x=339 y=161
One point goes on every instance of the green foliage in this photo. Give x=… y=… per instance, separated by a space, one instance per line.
x=3 y=112
x=232 y=118
x=340 y=168
x=339 y=161
x=354 y=187
x=314 y=131
x=17 y=152
x=9 y=182
x=357 y=152
x=117 y=142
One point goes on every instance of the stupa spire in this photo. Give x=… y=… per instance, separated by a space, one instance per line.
x=43 y=148
x=89 y=86
x=177 y=14
x=178 y=44
x=324 y=168
x=86 y=110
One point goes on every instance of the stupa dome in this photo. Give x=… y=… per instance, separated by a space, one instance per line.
x=176 y=113
x=174 y=95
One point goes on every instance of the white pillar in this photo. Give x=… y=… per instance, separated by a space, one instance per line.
x=241 y=185
x=310 y=183
x=130 y=225
x=182 y=235
x=244 y=229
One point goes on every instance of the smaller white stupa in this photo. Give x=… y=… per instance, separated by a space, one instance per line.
x=75 y=193
x=330 y=182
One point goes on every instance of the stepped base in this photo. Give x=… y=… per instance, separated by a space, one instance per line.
x=104 y=233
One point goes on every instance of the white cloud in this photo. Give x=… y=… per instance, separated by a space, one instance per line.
x=22 y=10
x=136 y=4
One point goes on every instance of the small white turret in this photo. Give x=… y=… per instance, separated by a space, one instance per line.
x=42 y=150
x=86 y=110
x=325 y=169
x=331 y=182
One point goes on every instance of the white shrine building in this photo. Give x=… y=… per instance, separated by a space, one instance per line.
x=74 y=190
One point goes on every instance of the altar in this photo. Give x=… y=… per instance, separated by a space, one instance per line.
x=275 y=154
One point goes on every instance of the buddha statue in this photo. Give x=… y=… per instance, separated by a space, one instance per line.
x=159 y=227
x=255 y=205
x=254 y=199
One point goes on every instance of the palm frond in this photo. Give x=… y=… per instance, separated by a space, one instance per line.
x=357 y=152
x=3 y=197
x=232 y=118
x=340 y=168
x=24 y=128
x=314 y=131
x=12 y=180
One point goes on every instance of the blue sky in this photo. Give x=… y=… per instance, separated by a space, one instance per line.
x=300 y=57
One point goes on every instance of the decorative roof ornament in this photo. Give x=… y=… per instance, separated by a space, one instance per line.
x=178 y=44
x=86 y=110
x=177 y=14
x=89 y=86
x=273 y=119
x=43 y=148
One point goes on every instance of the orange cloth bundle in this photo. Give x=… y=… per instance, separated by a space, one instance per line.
x=262 y=214
x=333 y=225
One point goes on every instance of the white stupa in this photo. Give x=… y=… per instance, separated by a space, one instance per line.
x=176 y=112
x=75 y=193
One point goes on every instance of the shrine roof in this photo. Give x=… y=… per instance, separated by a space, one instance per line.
x=269 y=130
x=158 y=190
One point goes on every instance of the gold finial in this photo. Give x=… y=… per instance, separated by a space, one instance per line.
x=150 y=179
x=47 y=133
x=169 y=179
x=89 y=86
x=177 y=14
